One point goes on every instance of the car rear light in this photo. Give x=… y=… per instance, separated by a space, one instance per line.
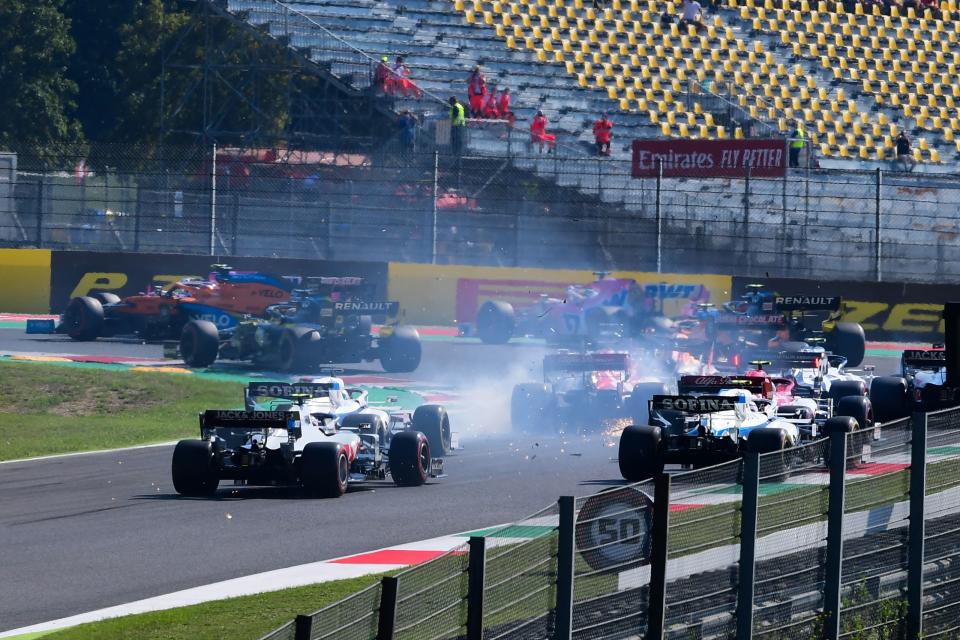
x=736 y=360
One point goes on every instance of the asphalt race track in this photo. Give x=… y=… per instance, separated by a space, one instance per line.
x=91 y=531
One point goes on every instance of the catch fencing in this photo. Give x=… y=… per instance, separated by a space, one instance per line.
x=499 y=204
x=854 y=536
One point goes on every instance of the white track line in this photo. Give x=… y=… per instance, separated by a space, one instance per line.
x=89 y=453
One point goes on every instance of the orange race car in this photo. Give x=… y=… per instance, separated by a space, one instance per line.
x=161 y=314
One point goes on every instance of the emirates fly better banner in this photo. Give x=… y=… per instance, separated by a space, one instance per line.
x=710 y=158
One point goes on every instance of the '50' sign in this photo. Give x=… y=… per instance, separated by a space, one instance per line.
x=613 y=529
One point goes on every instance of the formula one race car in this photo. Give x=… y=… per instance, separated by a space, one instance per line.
x=332 y=322
x=760 y=317
x=162 y=313
x=313 y=435
x=713 y=418
x=580 y=391
x=921 y=385
x=609 y=308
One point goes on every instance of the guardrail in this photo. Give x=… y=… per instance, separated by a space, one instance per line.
x=854 y=536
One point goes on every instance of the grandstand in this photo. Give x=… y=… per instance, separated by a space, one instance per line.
x=855 y=79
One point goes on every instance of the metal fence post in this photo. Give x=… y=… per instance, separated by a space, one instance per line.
x=746 y=218
x=43 y=173
x=831 y=590
x=563 y=625
x=657 y=212
x=433 y=223
x=658 y=557
x=388 y=607
x=475 y=586
x=213 y=202
x=302 y=627
x=879 y=241
x=915 y=549
x=748 y=544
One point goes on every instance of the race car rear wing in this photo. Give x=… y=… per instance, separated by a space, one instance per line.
x=694 y=404
x=924 y=358
x=252 y=420
x=706 y=384
x=806 y=303
x=585 y=363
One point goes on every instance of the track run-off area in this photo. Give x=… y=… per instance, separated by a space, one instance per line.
x=85 y=532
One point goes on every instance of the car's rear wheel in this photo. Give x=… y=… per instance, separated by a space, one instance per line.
x=496 y=322
x=772 y=445
x=324 y=469
x=193 y=469
x=639 y=453
x=844 y=388
x=83 y=318
x=409 y=458
x=199 y=343
x=297 y=349
x=888 y=395
x=105 y=297
x=530 y=407
x=848 y=340
x=400 y=352
x=432 y=420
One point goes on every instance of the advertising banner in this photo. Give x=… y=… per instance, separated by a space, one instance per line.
x=25 y=287
x=710 y=158
x=78 y=273
x=887 y=310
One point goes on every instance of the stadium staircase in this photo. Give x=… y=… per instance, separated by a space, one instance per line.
x=756 y=64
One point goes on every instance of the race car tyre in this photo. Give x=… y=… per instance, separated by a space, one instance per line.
x=888 y=395
x=409 y=458
x=855 y=439
x=856 y=407
x=199 y=343
x=639 y=453
x=83 y=318
x=193 y=469
x=366 y=423
x=324 y=469
x=400 y=352
x=847 y=339
x=432 y=421
x=297 y=349
x=637 y=403
x=496 y=321
x=105 y=297
x=530 y=405
x=844 y=388
x=772 y=445
x=603 y=322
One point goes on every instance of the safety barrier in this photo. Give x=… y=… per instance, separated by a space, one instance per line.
x=854 y=536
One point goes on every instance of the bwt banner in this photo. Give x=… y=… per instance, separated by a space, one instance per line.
x=710 y=158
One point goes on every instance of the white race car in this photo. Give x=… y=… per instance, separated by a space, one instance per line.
x=314 y=433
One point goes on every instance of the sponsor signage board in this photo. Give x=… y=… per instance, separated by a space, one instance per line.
x=710 y=158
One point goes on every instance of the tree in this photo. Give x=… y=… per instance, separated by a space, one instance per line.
x=37 y=96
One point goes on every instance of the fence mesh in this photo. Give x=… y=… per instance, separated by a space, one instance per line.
x=875 y=531
x=353 y=618
x=432 y=598
x=611 y=575
x=509 y=206
x=521 y=578
x=703 y=552
x=942 y=531
x=791 y=529
x=286 y=632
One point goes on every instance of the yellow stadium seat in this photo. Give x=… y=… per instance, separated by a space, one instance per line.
x=922 y=144
x=934 y=156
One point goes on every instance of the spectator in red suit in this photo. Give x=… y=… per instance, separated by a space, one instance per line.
x=539 y=135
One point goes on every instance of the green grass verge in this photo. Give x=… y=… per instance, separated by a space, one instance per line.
x=47 y=409
x=243 y=618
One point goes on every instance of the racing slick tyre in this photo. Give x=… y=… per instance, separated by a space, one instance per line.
x=193 y=469
x=860 y=409
x=855 y=439
x=772 y=444
x=400 y=352
x=604 y=322
x=496 y=321
x=297 y=349
x=847 y=340
x=888 y=395
x=324 y=469
x=83 y=318
x=409 y=458
x=105 y=297
x=639 y=453
x=637 y=403
x=530 y=405
x=199 y=343
x=844 y=388
x=366 y=423
x=432 y=421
